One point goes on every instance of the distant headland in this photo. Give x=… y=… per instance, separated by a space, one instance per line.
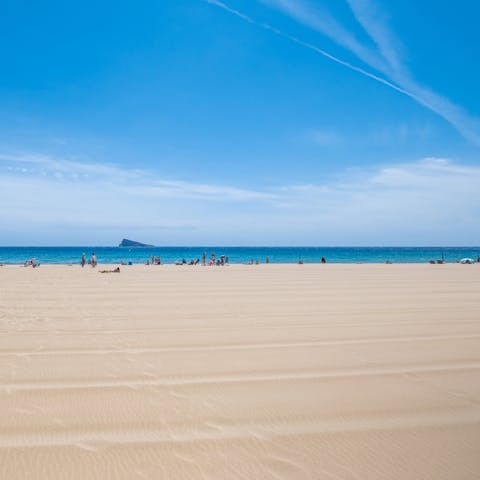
x=131 y=243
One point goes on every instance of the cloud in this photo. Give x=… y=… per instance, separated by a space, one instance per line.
x=310 y=46
x=429 y=201
x=385 y=59
x=320 y=20
x=432 y=201
x=380 y=135
x=395 y=134
x=132 y=181
x=434 y=197
x=51 y=201
x=326 y=137
x=373 y=21
x=375 y=24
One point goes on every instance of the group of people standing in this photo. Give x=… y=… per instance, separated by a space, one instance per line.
x=91 y=261
x=154 y=261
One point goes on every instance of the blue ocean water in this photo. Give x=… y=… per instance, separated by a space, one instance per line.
x=69 y=255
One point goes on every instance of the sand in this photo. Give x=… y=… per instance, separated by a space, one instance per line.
x=240 y=372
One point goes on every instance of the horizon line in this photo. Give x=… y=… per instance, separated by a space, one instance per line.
x=242 y=246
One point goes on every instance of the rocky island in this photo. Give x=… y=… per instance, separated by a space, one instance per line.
x=131 y=243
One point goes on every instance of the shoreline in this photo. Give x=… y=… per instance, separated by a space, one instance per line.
x=230 y=265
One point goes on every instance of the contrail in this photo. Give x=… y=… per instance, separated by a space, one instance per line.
x=318 y=50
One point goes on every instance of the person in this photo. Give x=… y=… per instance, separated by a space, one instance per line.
x=324 y=260
x=153 y=259
x=115 y=270
x=267 y=260
x=204 y=258
x=94 y=260
x=83 y=261
x=31 y=263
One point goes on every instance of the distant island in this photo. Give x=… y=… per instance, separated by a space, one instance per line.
x=131 y=243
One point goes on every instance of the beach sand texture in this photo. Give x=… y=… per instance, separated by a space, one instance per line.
x=241 y=372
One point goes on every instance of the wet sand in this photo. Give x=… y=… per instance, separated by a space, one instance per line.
x=240 y=372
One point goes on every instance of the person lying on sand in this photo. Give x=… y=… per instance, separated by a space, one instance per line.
x=115 y=270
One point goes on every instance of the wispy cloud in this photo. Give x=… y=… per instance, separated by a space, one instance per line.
x=319 y=19
x=375 y=24
x=377 y=136
x=51 y=200
x=134 y=181
x=373 y=21
x=46 y=164
x=386 y=58
x=310 y=46
x=431 y=201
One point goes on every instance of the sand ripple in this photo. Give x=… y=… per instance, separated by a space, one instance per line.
x=276 y=372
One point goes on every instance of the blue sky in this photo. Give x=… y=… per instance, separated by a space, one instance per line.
x=259 y=122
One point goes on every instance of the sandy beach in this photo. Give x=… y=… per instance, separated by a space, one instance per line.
x=240 y=372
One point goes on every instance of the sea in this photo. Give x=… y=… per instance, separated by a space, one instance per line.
x=139 y=255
